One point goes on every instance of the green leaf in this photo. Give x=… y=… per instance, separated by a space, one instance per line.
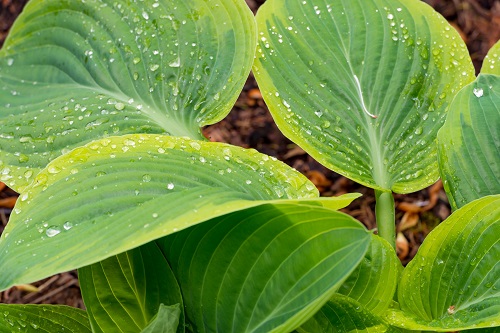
x=125 y=292
x=121 y=192
x=469 y=142
x=343 y=314
x=491 y=63
x=75 y=71
x=453 y=283
x=264 y=269
x=324 y=68
x=43 y=319
x=165 y=321
x=374 y=281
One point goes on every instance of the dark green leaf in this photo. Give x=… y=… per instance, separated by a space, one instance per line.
x=43 y=319
x=264 y=269
x=343 y=314
x=165 y=321
x=374 y=281
x=125 y=292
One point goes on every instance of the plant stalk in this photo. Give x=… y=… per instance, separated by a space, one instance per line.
x=386 y=218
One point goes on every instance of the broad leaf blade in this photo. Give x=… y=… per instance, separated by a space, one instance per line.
x=324 y=68
x=374 y=281
x=491 y=63
x=264 y=269
x=121 y=192
x=469 y=142
x=165 y=321
x=75 y=71
x=343 y=314
x=454 y=281
x=124 y=293
x=43 y=318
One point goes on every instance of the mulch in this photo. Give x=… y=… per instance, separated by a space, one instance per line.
x=250 y=125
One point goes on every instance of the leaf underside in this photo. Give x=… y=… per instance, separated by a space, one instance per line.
x=326 y=69
x=75 y=71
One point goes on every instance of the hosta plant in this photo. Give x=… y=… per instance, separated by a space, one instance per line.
x=101 y=105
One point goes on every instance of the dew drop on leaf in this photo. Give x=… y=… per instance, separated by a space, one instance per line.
x=52 y=231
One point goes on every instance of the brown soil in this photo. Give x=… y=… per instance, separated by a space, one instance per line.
x=250 y=125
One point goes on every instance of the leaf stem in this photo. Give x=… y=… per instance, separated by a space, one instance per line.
x=386 y=218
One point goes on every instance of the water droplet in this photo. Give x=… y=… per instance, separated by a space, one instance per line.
x=195 y=145
x=146 y=178
x=155 y=215
x=119 y=106
x=478 y=92
x=53 y=169
x=154 y=67
x=170 y=186
x=175 y=63
x=52 y=231
x=67 y=225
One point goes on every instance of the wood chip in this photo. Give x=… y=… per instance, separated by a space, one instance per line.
x=8 y=202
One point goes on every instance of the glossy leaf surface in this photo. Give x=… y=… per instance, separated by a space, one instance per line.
x=343 y=314
x=374 y=281
x=491 y=63
x=121 y=192
x=124 y=293
x=75 y=71
x=43 y=319
x=453 y=283
x=264 y=269
x=327 y=70
x=469 y=142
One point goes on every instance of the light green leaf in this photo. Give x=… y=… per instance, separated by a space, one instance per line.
x=43 y=319
x=125 y=292
x=264 y=269
x=469 y=142
x=324 y=69
x=165 y=321
x=121 y=192
x=343 y=314
x=374 y=281
x=453 y=283
x=491 y=63
x=75 y=71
